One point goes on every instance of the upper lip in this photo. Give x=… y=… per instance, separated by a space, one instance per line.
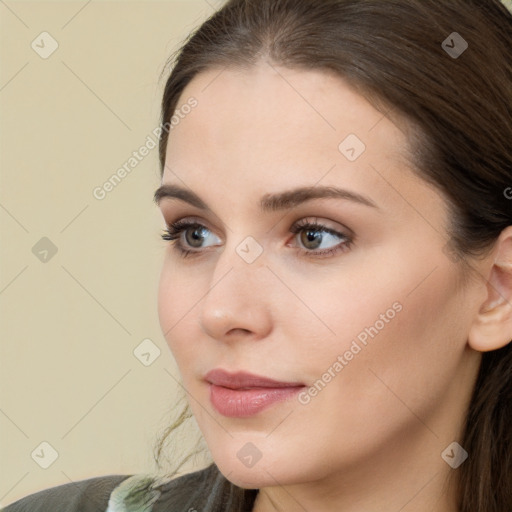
x=239 y=380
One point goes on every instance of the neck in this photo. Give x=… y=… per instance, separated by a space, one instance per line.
x=404 y=476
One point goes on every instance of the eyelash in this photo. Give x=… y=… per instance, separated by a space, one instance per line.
x=173 y=234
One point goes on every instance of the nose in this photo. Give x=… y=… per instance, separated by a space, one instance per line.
x=238 y=302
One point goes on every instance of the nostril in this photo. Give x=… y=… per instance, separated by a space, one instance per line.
x=237 y=331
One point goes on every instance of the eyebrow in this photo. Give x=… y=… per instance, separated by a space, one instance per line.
x=269 y=202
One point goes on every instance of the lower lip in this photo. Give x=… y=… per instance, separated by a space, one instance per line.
x=240 y=403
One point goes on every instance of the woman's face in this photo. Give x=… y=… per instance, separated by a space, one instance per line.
x=363 y=314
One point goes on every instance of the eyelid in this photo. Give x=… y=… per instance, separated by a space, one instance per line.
x=192 y=220
x=176 y=211
x=325 y=223
x=300 y=219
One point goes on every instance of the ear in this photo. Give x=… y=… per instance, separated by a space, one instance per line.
x=492 y=327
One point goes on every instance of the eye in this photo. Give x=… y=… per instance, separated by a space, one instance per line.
x=313 y=235
x=188 y=234
x=193 y=233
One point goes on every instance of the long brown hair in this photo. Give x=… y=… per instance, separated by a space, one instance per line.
x=460 y=108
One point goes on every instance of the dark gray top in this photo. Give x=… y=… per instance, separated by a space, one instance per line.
x=202 y=491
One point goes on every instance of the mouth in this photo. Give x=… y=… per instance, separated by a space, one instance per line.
x=242 y=394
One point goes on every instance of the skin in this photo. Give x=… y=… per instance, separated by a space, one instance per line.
x=372 y=438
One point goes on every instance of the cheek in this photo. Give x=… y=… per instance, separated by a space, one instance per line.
x=394 y=368
x=338 y=313
x=423 y=348
x=412 y=360
x=176 y=301
x=387 y=329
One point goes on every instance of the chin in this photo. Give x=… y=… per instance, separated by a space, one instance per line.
x=254 y=478
x=247 y=467
x=249 y=479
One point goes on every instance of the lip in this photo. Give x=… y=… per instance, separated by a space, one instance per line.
x=242 y=394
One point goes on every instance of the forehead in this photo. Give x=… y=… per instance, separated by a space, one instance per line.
x=266 y=127
x=269 y=102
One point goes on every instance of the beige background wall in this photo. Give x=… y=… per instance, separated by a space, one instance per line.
x=70 y=321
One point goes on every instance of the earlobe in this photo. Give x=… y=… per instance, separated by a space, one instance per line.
x=492 y=326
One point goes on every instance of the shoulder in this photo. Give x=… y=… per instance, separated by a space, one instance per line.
x=90 y=495
x=205 y=490
x=152 y=493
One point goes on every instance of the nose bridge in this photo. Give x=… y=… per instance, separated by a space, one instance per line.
x=238 y=296
x=243 y=260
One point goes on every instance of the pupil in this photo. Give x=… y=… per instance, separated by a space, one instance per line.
x=196 y=236
x=311 y=236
